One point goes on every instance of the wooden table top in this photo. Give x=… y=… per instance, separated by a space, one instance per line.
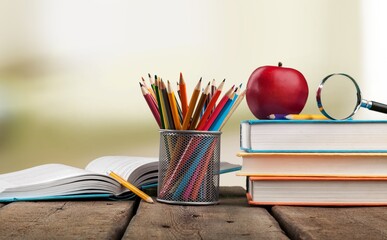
x=232 y=218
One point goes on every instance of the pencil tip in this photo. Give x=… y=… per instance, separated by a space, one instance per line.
x=140 y=84
x=149 y=75
x=224 y=80
x=200 y=79
x=142 y=79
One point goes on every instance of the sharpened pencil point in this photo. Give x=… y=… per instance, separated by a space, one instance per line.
x=149 y=200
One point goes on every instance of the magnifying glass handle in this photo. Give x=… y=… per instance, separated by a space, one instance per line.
x=378 y=107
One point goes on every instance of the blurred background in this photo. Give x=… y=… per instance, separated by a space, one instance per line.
x=69 y=70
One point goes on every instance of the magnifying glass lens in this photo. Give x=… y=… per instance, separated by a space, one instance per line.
x=339 y=97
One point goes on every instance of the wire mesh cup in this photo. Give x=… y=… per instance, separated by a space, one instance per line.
x=189 y=167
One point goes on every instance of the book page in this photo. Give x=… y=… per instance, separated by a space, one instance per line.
x=124 y=166
x=38 y=175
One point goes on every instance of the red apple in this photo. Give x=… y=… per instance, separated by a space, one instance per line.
x=276 y=90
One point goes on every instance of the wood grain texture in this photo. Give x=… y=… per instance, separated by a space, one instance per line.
x=332 y=222
x=232 y=218
x=65 y=220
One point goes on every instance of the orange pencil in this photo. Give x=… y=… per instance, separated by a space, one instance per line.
x=210 y=106
x=199 y=107
x=183 y=95
x=172 y=102
x=191 y=107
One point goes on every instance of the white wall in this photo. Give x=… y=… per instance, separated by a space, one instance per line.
x=374 y=51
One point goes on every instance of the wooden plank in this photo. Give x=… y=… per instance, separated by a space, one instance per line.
x=232 y=218
x=332 y=222
x=65 y=220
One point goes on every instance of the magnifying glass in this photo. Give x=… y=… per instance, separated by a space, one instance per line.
x=341 y=97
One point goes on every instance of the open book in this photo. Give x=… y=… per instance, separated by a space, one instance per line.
x=58 y=181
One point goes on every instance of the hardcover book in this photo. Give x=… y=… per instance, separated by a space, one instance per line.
x=313 y=135
x=317 y=191
x=314 y=164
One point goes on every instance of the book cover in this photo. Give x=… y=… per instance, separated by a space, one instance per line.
x=313 y=135
x=314 y=164
x=317 y=191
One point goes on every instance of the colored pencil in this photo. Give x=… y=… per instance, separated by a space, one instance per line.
x=151 y=104
x=179 y=110
x=205 y=147
x=152 y=81
x=150 y=90
x=217 y=110
x=199 y=107
x=156 y=89
x=191 y=106
x=223 y=113
x=168 y=111
x=131 y=187
x=200 y=172
x=210 y=106
x=162 y=103
x=233 y=108
x=298 y=116
x=174 y=111
x=183 y=95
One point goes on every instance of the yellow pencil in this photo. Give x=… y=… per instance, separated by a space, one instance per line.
x=162 y=103
x=172 y=102
x=199 y=107
x=298 y=116
x=183 y=95
x=191 y=106
x=131 y=187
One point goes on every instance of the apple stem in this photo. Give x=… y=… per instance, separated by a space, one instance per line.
x=279 y=64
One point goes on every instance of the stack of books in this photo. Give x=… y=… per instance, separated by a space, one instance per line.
x=315 y=162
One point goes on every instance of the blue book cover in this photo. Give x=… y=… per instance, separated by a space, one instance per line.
x=313 y=135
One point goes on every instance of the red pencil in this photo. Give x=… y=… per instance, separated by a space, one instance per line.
x=218 y=109
x=210 y=107
x=152 y=105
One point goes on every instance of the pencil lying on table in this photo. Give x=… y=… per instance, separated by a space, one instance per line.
x=131 y=187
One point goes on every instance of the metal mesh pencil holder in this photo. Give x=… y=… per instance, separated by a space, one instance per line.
x=189 y=167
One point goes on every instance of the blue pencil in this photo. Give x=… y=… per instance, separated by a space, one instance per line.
x=223 y=114
x=187 y=176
